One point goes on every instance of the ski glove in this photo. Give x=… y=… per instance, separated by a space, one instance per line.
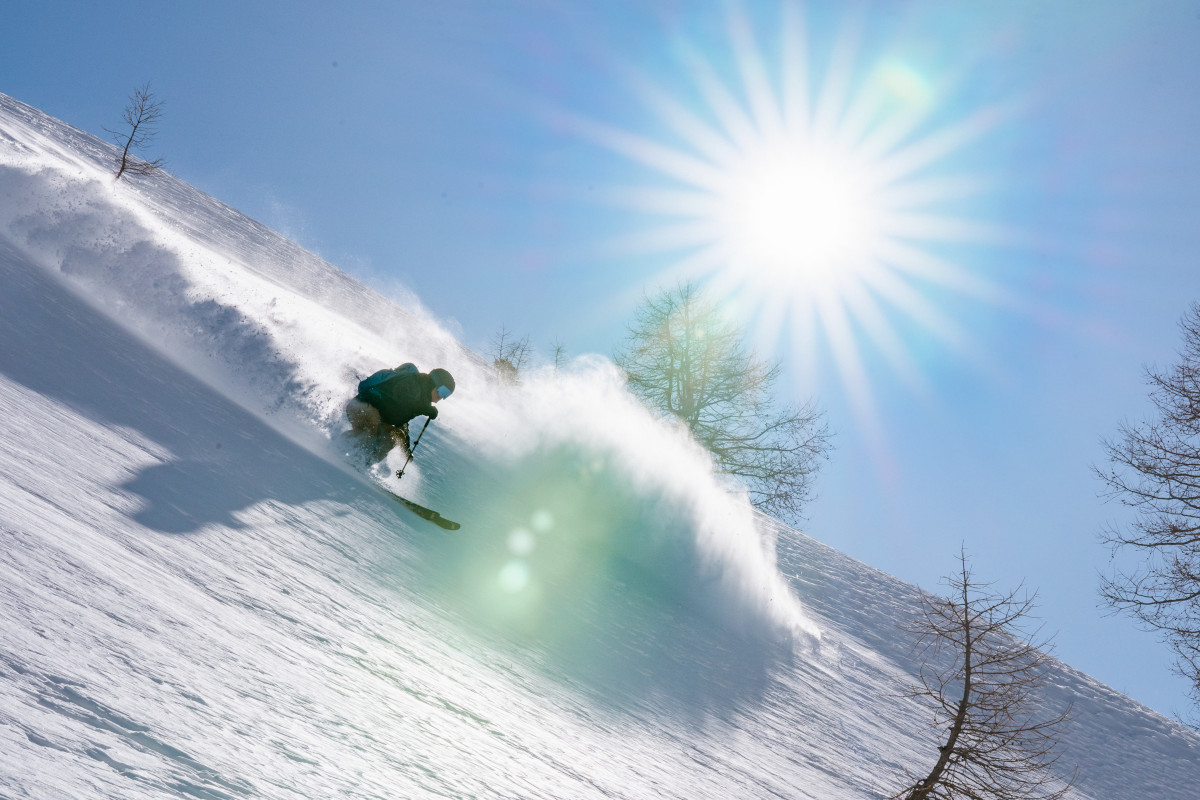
x=433 y=413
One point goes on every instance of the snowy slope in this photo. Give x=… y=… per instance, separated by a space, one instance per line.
x=199 y=599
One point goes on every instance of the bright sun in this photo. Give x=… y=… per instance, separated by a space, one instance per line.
x=814 y=207
x=802 y=216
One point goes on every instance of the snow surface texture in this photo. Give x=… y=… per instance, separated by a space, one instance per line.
x=199 y=598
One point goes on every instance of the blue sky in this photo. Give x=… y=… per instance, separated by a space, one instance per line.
x=512 y=162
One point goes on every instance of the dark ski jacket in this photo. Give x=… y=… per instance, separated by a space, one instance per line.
x=400 y=394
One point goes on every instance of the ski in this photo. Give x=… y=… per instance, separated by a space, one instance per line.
x=364 y=470
x=423 y=512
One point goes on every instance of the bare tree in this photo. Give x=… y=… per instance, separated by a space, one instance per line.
x=509 y=354
x=685 y=360
x=1155 y=470
x=980 y=676
x=559 y=352
x=141 y=117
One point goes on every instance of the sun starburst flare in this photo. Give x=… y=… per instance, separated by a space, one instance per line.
x=819 y=213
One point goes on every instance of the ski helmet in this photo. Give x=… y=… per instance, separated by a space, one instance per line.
x=442 y=378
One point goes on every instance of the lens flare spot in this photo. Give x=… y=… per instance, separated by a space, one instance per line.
x=521 y=542
x=514 y=576
x=905 y=84
x=542 y=520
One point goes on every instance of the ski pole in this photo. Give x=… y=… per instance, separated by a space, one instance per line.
x=400 y=473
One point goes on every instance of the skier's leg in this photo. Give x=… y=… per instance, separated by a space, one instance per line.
x=393 y=436
x=401 y=437
x=364 y=418
x=366 y=431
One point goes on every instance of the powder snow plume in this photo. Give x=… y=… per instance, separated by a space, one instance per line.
x=559 y=476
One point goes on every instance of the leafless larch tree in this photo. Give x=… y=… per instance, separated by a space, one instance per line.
x=141 y=117
x=509 y=354
x=558 y=352
x=1155 y=470
x=980 y=677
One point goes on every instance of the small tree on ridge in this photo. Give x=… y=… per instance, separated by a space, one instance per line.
x=509 y=354
x=141 y=117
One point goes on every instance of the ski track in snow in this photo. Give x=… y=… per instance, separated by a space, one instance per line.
x=198 y=598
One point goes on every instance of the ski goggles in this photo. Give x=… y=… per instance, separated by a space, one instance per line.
x=444 y=392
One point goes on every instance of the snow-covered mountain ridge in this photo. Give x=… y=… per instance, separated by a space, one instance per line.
x=199 y=599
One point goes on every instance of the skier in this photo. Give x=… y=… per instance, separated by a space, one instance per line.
x=386 y=401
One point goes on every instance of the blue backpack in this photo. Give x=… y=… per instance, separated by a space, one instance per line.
x=366 y=385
